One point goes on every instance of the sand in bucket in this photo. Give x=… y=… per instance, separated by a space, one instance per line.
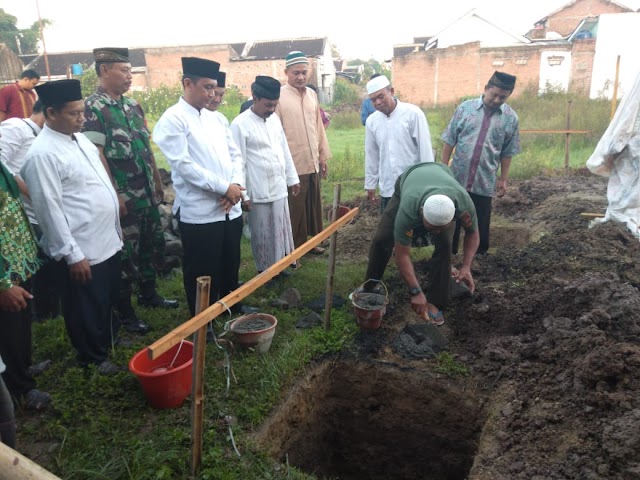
x=255 y=331
x=369 y=307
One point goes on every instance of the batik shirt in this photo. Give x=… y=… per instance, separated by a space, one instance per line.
x=18 y=248
x=476 y=168
x=119 y=126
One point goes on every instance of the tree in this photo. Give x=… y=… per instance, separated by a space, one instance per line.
x=10 y=34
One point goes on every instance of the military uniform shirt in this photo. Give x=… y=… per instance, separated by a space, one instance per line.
x=119 y=126
x=420 y=182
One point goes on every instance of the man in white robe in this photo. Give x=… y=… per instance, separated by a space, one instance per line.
x=216 y=101
x=206 y=169
x=77 y=209
x=617 y=156
x=269 y=171
x=397 y=137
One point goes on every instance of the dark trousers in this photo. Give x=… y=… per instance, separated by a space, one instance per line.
x=7 y=417
x=483 y=211
x=15 y=347
x=87 y=310
x=382 y=248
x=46 y=292
x=384 y=201
x=305 y=209
x=211 y=249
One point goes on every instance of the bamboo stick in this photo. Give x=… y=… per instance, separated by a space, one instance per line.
x=328 y=303
x=14 y=465
x=567 y=140
x=197 y=405
x=190 y=326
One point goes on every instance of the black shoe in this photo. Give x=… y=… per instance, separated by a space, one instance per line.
x=124 y=343
x=134 y=325
x=36 y=400
x=109 y=368
x=156 y=301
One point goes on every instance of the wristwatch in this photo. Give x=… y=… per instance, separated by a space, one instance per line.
x=415 y=291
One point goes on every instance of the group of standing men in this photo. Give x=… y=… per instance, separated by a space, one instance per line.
x=417 y=194
x=82 y=197
x=93 y=193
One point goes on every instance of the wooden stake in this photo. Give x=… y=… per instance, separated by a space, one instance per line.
x=14 y=465
x=592 y=215
x=614 y=100
x=197 y=405
x=183 y=331
x=567 y=140
x=328 y=303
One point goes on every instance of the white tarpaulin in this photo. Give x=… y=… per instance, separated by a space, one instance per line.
x=617 y=156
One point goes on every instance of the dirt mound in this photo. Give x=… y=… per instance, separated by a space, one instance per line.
x=551 y=340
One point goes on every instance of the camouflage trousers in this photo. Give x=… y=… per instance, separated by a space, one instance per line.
x=143 y=251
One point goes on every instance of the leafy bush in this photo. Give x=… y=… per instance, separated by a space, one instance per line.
x=346 y=93
x=155 y=101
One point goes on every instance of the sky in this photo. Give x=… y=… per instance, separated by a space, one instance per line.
x=358 y=29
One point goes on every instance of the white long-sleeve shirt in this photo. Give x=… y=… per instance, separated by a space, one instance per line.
x=267 y=161
x=16 y=137
x=73 y=198
x=392 y=144
x=204 y=161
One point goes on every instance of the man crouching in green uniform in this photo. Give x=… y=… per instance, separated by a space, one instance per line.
x=426 y=195
x=117 y=126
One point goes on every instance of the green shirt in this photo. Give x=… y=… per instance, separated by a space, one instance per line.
x=418 y=183
x=120 y=128
x=18 y=247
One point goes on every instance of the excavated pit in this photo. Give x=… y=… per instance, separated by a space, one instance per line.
x=348 y=420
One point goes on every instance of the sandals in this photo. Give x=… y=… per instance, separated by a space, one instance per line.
x=434 y=318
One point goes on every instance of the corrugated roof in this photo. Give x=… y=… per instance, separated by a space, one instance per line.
x=238 y=47
x=270 y=49
x=402 y=50
x=59 y=62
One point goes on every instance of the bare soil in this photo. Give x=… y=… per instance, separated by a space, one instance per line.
x=551 y=339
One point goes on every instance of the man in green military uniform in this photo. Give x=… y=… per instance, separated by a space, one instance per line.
x=117 y=126
x=426 y=196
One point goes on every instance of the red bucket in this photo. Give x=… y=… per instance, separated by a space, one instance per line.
x=166 y=381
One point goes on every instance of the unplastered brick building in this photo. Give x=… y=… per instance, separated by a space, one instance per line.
x=457 y=61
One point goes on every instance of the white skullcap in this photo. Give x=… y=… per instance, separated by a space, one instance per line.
x=438 y=210
x=377 y=83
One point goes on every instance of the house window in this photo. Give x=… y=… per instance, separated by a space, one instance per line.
x=498 y=63
x=555 y=60
x=521 y=61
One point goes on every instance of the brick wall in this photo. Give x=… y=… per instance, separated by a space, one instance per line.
x=164 y=65
x=567 y=20
x=441 y=76
x=582 y=65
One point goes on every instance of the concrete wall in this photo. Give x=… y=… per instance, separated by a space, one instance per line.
x=567 y=20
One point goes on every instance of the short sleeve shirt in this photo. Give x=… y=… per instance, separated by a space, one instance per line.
x=502 y=140
x=418 y=183
x=119 y=126
x=16 y=102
